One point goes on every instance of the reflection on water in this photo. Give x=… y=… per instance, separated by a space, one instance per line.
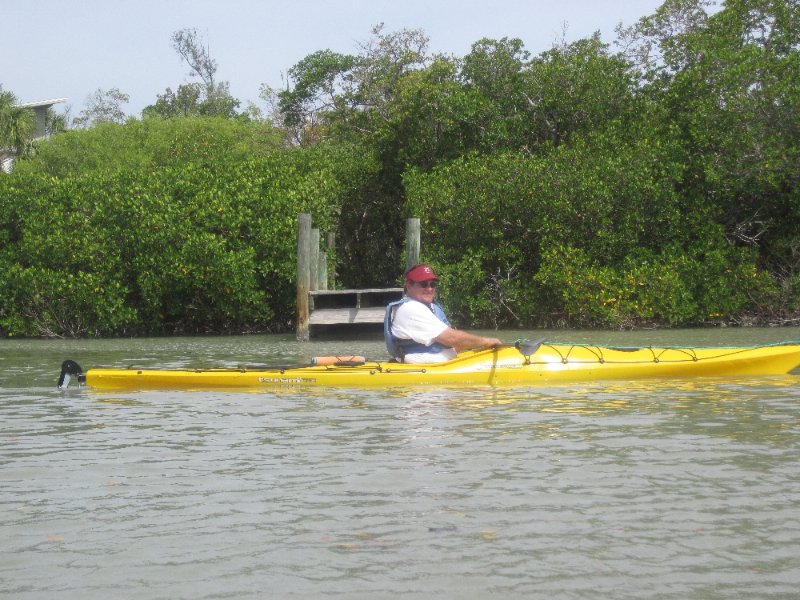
x=668 y=489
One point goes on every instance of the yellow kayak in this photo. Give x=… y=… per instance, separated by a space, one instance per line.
x=526 y=364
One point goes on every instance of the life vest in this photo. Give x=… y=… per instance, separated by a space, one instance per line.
x=399 y=347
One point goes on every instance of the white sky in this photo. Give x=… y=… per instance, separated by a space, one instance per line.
x=70 y=48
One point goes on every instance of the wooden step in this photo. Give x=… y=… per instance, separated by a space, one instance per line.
x=340 y=316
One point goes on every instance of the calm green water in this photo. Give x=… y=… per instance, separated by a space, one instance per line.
x=670 y=489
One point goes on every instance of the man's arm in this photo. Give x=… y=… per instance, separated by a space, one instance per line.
x=462 y=340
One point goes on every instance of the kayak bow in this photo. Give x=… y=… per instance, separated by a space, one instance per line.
x=524 y=364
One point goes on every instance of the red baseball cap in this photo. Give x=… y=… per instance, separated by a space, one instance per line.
x=420 y=273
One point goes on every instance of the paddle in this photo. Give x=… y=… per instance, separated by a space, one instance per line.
x=70 y=368
x=529 y=347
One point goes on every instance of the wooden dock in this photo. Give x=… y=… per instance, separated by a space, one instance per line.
x=350 y=307
x=320 y=308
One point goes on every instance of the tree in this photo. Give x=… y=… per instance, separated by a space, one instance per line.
x=189 y=45
x=17 y=125
x=353 y=100
x=320 y=89
x=351 y=95
x=104 y=106
x=384 y=60
x=654 y=45
x=731 y=90
x=56 y=122
x=496 y=71
x=205 y=98
x=576 y=88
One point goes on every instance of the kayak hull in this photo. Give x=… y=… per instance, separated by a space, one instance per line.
x=549 y=363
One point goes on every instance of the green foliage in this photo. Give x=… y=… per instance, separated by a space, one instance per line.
x=351 y=100
x=192 y=100
x=54 y=303
x=17 y=125
x=736 y=100
x=495 y=74
x=369 y=240
x=674 y=287
x=657 y=185
x=593 y=234
x=151 y=144
x=317 y=88
x=576 y=89
x=207 y=98
x=427 y=124
x=185 y=248
x=102 y=107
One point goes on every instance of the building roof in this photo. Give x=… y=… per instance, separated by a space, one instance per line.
x=41 y=103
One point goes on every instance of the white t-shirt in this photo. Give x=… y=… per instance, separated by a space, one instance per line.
x=414 y=320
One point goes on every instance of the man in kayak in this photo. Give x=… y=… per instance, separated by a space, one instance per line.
x=416 y=328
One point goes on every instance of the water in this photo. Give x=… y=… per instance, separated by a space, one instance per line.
x=676 y=489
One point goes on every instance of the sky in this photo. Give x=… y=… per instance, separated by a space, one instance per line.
x=70 y=48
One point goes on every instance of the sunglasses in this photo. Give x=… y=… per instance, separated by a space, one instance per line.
x=428 y=284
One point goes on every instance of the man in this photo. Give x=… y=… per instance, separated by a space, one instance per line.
x=416 y=328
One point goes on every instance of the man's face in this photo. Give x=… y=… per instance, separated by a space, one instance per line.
x=424 y=291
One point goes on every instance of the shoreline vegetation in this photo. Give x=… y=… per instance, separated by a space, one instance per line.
x=651 y=182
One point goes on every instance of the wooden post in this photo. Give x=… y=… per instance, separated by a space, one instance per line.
x=412 y=242
x=332 y=252
x=313 y=258
x=322 y=270
x=303 y=274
